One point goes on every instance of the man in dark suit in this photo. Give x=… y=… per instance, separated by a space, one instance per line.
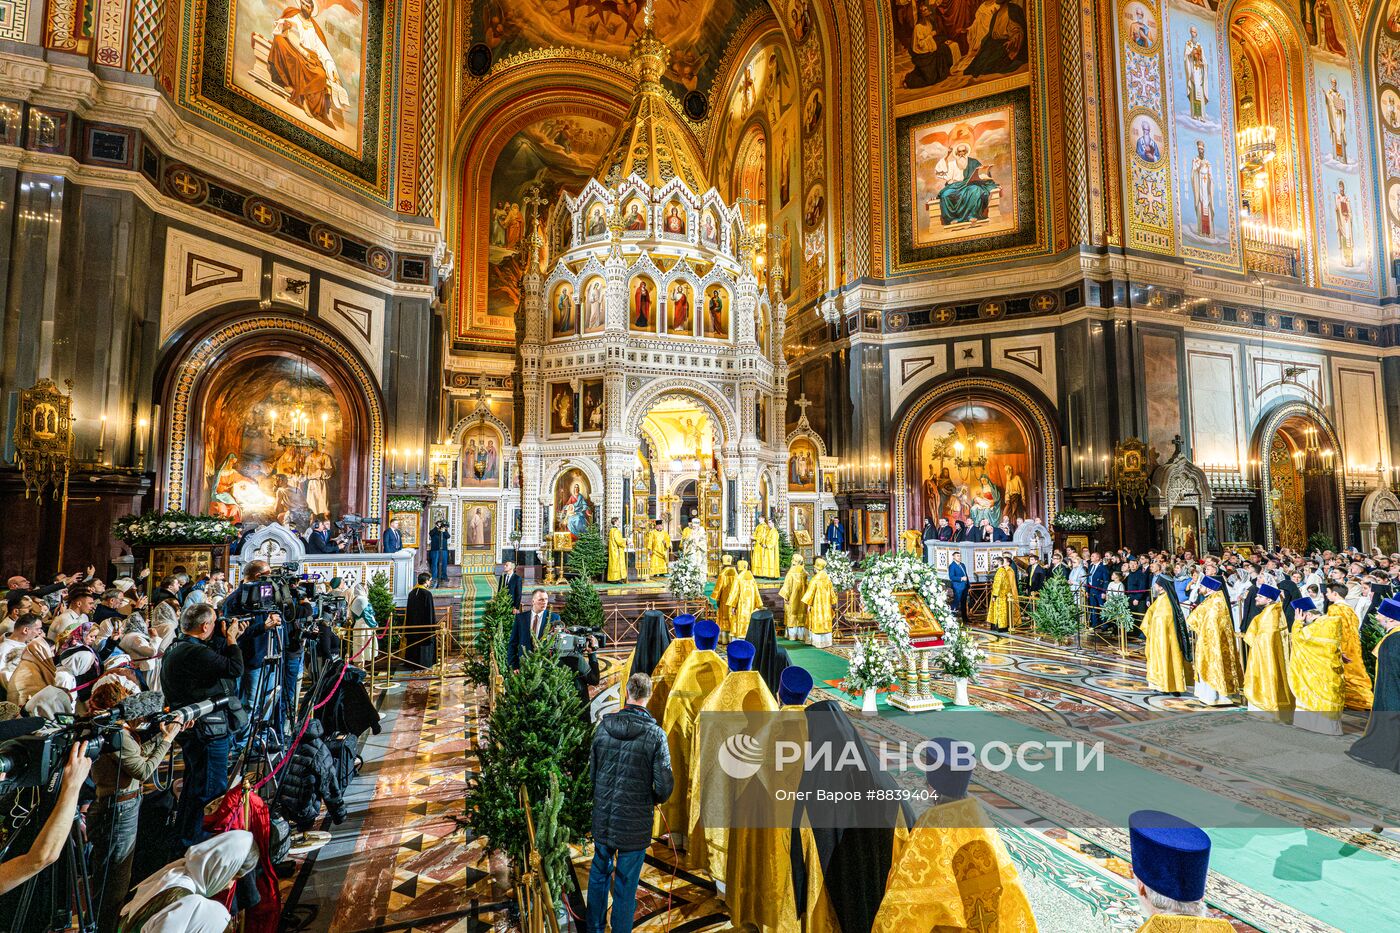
x=1002 y=532
x=529 y=627
x=439 y=539
x=957 y=579
x=393 y=539
x=319 y=541
x=1035 y=575
x=512 y=583
x=1096 y=584
x=1136 y=583
x=835 y=536
x=945 y=530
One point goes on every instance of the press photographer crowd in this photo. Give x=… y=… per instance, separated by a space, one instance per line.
x=161 y=755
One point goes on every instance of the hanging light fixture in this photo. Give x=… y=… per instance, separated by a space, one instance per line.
x=1312 y=459
x=295 y=429
x=969 y=452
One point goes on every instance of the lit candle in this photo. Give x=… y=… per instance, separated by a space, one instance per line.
x=141 y=427
x=418 y=461
x=393 y=459
x=102 y=432
x=324 y=416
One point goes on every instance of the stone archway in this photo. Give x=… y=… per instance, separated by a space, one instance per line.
x=200 y=357
x=1180 y=497
x=1380 y=521
x=1278 y=477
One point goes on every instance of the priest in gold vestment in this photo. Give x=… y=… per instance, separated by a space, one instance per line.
x=1356 y=682
x=1004 y=612
x=793 y=589
x=1219 y=675
x=765 y=550
x=723 y=581
x=1266 y=674
x=658 y=545
x=617 y=553
x=1171 y=858
x=1315 y=669
x=697 y=678
x=953 y=873
x=819 y=606
x=743 y=599
x=682 y=646
x=1168 y=647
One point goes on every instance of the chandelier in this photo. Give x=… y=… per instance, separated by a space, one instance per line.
x=1312 y=459
x=969 y=452
x=1258 y=146
x=295 y=425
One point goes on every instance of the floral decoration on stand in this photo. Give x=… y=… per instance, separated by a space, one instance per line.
x=894 y=572
x=872 y=667
x=1077 y=521
x=174 y=527
x=962 y=656
x=840 y=571
x=687 y=576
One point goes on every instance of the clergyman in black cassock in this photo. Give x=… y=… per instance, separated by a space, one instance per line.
x=420 y=618
x=1380 y=746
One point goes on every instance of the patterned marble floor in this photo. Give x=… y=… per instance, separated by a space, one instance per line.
x=404 y=863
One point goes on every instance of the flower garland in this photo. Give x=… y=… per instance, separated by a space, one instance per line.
x=900 y=572
x=173 y=527
x=840 y=571
x=687 y=576
x=872 y=666
x=1077 y=520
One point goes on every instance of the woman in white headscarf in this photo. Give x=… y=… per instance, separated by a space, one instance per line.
x=207 y=871
x=34 y=672
x=190 y=914
x=362 y=626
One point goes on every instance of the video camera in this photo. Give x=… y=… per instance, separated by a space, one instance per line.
x=573 y=640
x=37 y=759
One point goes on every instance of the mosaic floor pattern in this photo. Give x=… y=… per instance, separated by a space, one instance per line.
x=404 y=862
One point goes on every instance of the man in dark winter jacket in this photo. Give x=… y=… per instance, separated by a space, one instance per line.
x=631 y=775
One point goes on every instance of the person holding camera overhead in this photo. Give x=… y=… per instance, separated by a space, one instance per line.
x=204 y=663
x=261 y=650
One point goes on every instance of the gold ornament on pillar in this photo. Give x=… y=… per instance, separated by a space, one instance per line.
x=44 y=436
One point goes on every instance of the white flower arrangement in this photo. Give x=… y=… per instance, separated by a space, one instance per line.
x=961 y=656
x=1074 y=521
x=174 y=527
x=687 y=576
x=872 y=665
x=840 y=571
x=900 y=572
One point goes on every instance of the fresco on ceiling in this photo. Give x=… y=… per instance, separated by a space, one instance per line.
x=959 y=47
x=558 y=154
x=697 y=32
x=304 y=59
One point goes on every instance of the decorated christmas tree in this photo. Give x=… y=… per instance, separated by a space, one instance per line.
x=539 y=738
x=582 y=605
x=492 y=632
x=1055 y=614
x=589 y=557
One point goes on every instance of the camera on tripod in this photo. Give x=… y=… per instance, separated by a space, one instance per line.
x=573 y=641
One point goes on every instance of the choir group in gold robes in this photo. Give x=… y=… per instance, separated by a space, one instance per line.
x=1266 y=672
x=617 y=554
x=1004 y=612
x=1219 y=676
x=663 y=676
x=697 y=678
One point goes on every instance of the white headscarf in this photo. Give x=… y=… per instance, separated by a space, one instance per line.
x=190 y=914
x=79 y=662
x=207 y=869
x=49 y=702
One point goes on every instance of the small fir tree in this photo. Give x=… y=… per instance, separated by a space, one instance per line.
x=539 y=736
x=489 y=639
x=1371 y=635
x=1055 y=614
x=785 y=552
x=583 y=606
x=1118 y=612
x=551 y=840
x=589 y=557
x=381 y=598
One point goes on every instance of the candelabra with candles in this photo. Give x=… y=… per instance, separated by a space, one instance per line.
x=869 y=475
x=1312 y=459
x=402 y=478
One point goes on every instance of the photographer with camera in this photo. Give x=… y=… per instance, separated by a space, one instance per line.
x=48 y=845
x=204 y=663
x=119 y=775
x=261 y=601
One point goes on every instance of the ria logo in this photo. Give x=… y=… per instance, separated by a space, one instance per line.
x=740 y=756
